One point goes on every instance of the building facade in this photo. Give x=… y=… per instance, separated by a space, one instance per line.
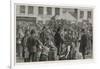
x=85 y=15
x=42 y=14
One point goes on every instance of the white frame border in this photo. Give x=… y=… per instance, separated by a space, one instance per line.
x=13 y=63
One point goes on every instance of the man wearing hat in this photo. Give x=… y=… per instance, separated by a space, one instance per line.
x=83 y=43
x=31 y=43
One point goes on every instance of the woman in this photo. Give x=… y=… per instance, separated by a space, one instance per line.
x=45 y=51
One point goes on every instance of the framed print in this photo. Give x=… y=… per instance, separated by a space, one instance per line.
x=45 y=33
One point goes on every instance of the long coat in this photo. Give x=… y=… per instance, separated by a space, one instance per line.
x=83 y=43
x=58 y=40
x=31 y=43
x=43 y=37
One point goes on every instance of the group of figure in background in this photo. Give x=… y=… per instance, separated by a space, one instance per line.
x=57 y=44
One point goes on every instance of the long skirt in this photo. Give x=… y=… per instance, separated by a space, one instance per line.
x=43 y=57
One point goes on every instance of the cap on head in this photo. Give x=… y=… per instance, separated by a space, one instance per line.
x=32 y=32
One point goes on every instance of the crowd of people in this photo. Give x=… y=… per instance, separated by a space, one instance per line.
x=53 y=42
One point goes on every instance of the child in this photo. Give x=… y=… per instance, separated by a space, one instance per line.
x=26 y=55
x=44 y=53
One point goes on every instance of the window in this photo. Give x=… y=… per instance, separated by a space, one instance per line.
x=49 y=11
x=75 y=10
x=75 y=13
x=89 y=14
x=30 y=9
x=22 y=9
x=81 y=14
x=57 y=11
x=40 y=10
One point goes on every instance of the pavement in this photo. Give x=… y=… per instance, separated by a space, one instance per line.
x=19 y=59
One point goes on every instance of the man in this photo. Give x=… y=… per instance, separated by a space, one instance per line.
x=83 y=43
x=31 y=43
x=24 y=42
x=58 y=40
x=43 y=35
